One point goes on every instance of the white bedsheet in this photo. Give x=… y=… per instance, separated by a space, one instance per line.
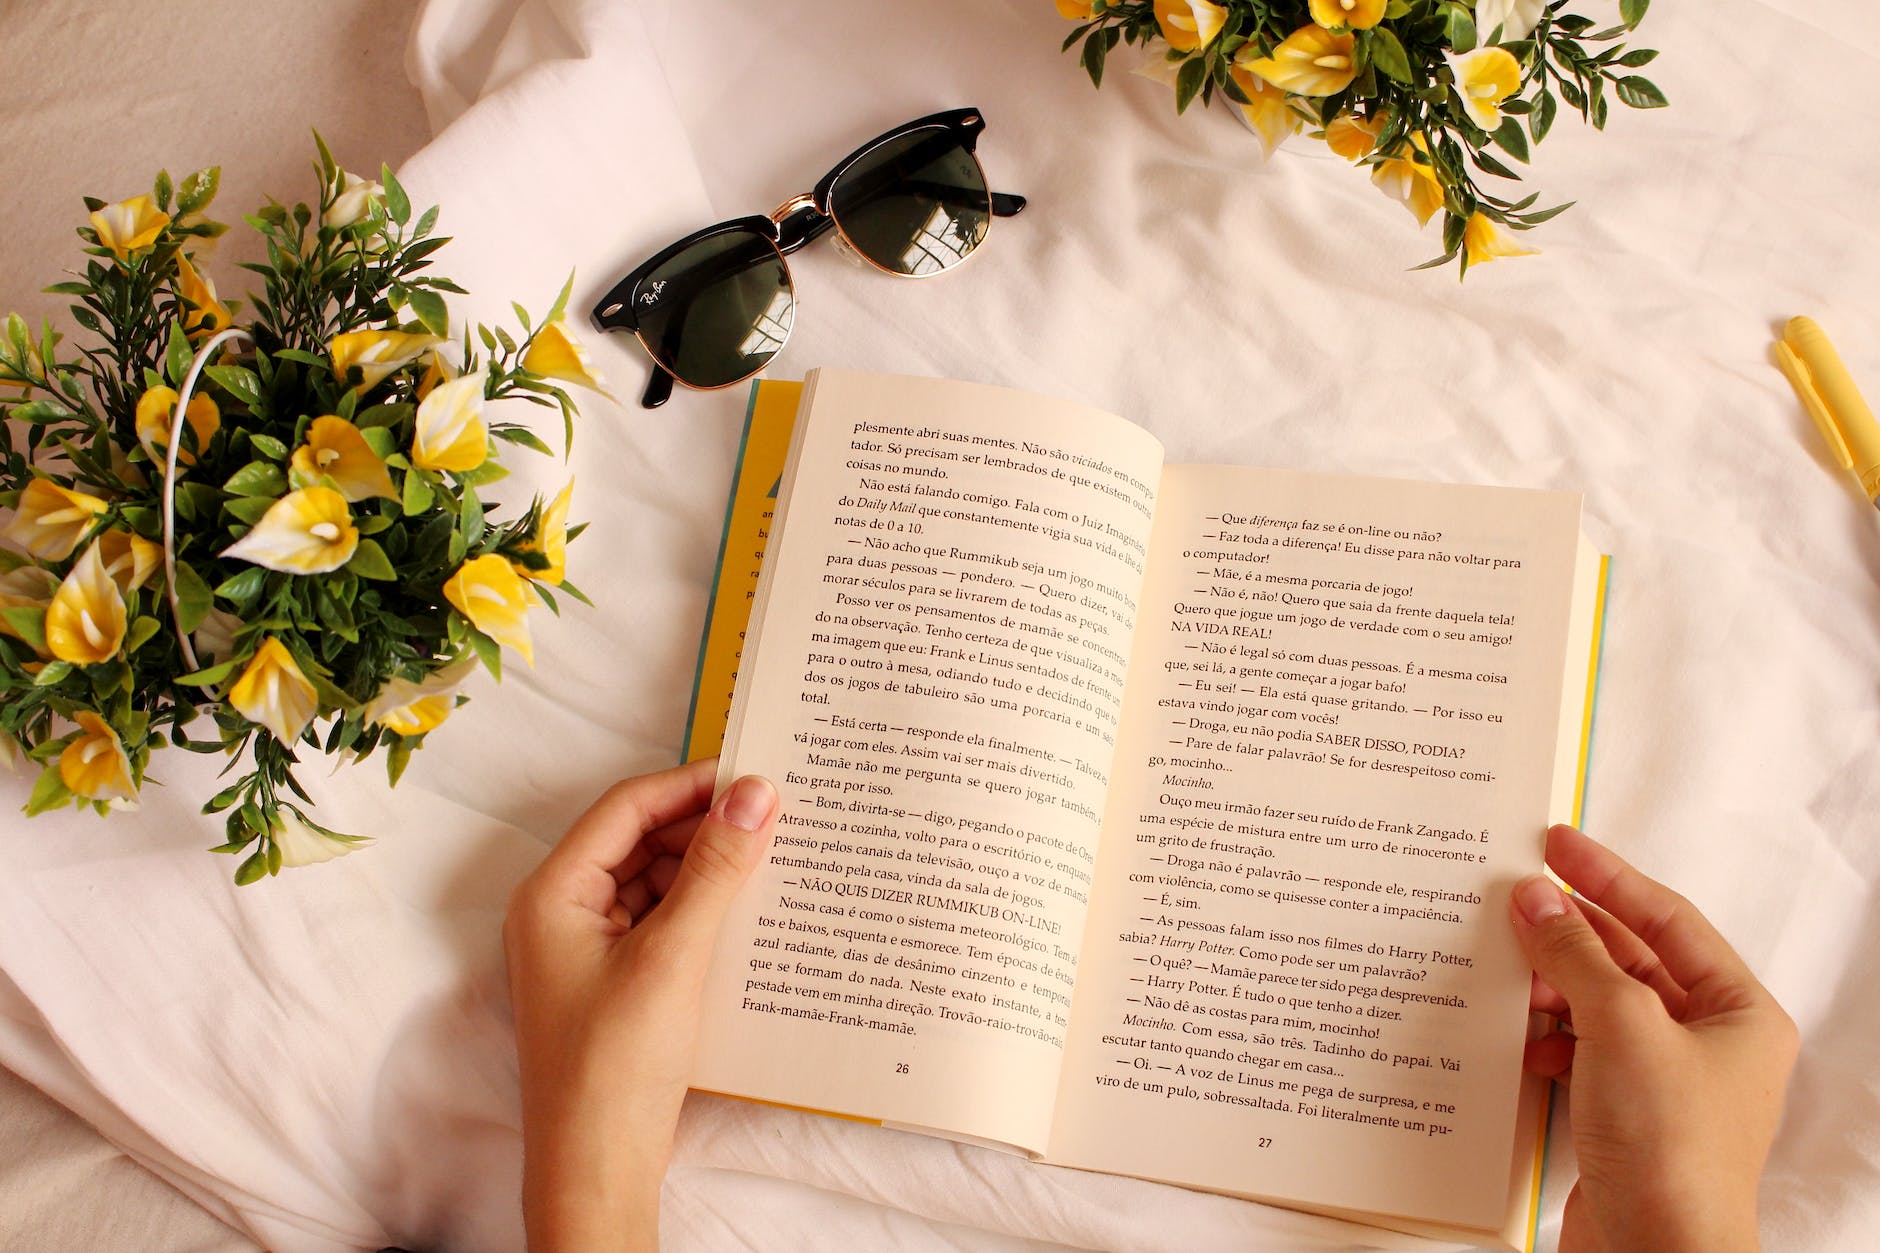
x=324 y=1060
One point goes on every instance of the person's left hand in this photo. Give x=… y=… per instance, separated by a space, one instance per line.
x=608 y=942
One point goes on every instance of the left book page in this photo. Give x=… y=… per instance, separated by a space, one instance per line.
x=908 y=952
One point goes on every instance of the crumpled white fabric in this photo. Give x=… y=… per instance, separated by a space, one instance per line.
x=324 y=1060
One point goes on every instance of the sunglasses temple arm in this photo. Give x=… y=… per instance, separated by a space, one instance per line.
x=658 y=388
x=1006 y=205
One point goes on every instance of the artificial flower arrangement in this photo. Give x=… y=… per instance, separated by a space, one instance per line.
x=1419 y=91
x=227 y=533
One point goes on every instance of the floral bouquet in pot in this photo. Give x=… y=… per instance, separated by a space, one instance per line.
x=1440 y=99
x=261 y=536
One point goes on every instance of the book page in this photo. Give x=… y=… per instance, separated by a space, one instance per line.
x=1300 y=982
x=933 y=678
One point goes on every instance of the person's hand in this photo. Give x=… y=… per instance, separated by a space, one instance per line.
x=1676 y=1057
x=608 y=942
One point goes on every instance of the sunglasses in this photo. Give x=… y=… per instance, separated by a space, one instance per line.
x=714 y=308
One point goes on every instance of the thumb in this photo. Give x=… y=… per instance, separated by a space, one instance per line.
x=1565 y=950
x=729 y=843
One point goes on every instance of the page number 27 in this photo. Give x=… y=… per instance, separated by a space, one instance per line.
x=1266 y=1142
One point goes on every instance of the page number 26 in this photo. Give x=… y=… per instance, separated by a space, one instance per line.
x=900 y=1068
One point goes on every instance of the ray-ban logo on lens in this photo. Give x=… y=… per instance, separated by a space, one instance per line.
x=652 y=294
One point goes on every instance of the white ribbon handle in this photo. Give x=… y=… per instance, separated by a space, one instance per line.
x=196 y=365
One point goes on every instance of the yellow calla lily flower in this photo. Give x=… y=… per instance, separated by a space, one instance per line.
x=94 y=765
x=377 y=353
x=1077 y=10
x=336 y=450
x=50 y=520
x=1412 y=182
x=156 y=409
x=556 y=354
x=1353 y=137
x=128 y=225
x=1267 y=110
x=407 y=708
x=1516 y=19
x=27 y=587
x=1312 y=61
x=129 y=559
x=354 y=201
x=436 y=370
x=205 y=315
x=1482 y=242
x=1485 y=78
x=303 y=844
x=1348 y=14
x=551 y=540
x=449 y=433
x=309 y=531
x=85 y=622
x=488 y=591
x=1189 y=24
x=273 y=692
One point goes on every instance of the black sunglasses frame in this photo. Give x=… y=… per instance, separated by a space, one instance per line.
x=796 y=223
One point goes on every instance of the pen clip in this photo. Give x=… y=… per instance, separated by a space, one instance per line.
x=1804 y=384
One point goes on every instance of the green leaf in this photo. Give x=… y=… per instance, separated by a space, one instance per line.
x=177 y=355
x=139 y=634
x=372 y=523
x=1388 y=55
x=487 y=650
x=1632 y=12
x=257 y=478
x=193 y=598
x=52 y=673
x=1188 y=80
x=417 y=494
x=397 y=203
x=269 y=447
x=525 y=437
x=163 y=189
x=397 y=756
x=382 y=415
x=210 y=675
x=1637 y=57
x=370 y=562
x=29 y=623
x=561 y=302
x=1535 y=219
x=1512 y=138
x=250 y=509
x=429 y=306
x=243 y=586
x=1458 y=27
x=1092 y=58
x=470 y=517
x=226 y=797
x=198 y=190
x=1640 y=93
x=49 y=792
x=252 y=869
x=380 y=440
x=238 y=382
x=1542 y=119
x=491 y=471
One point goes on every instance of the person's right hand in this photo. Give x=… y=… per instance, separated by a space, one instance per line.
x=1675 y=1055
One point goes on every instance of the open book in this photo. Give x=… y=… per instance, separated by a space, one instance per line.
x=1143 y=818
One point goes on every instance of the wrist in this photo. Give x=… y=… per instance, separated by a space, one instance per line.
x=588 y=1210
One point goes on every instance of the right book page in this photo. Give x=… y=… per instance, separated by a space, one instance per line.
x=1338 y=751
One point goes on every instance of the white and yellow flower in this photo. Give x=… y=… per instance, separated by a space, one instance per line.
x=488 y=591
x=214 y=637
x=407 y=708
x=1267 y=110
x=1516 y=18
x=1312 y=61
x=1482 y=242
x=337 y=454
x=1348 y=14
x=205 y=315
x=1077 y=10
x=94 y=765
x=449 y=432
x=128 y=225
x=129 y=559
x=273 y=692
x=85 y=621
x=26 y=587
x=50 y=519
x=303 y=844
x=377 y=353
x=556 y=354
x=156 y=410
x=551 y=540
x=437 y=369
x=1353 y=137
x=309 y=531
x=1412 y=182
x=1485 y=78
x=356 y=199
x=1189 y=24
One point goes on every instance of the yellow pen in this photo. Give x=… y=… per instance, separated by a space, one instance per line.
x=1832 y=400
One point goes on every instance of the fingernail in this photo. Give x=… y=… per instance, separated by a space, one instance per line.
x=1538 y=899
x=748 y=802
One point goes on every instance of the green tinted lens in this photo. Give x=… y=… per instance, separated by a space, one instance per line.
x=915 y=204
x=719 y=311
